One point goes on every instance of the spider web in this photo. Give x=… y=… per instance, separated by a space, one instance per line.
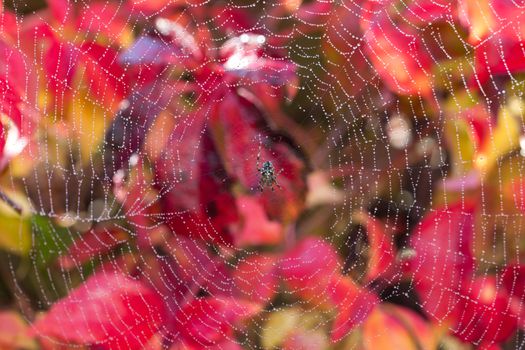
x=404 y=115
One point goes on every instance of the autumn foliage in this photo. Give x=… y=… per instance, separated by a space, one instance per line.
x=133 y=212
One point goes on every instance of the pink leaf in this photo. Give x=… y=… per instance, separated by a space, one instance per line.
x=255 y=278
x=191 y=268
x=14 y=332
x=256 y=229
x=110 y=310
x=353 y=304
x=210 y=321
x=301 y=339
x=308 y=269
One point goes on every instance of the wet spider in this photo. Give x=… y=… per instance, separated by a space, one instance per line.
x=268 y=176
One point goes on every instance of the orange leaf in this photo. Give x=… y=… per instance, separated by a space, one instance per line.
x=394 y=327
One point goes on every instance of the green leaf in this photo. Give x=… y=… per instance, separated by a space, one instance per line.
x=50 y=240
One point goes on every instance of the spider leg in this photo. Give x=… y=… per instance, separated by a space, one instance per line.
x=259 y=154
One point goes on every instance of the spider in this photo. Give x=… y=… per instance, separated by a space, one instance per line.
x=268 y=176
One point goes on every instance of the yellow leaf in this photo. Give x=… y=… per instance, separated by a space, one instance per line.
x=479 y=17
x=462 y=145
x=15 y=229
x=88 y=121
x=278 y=326
x=504 y=138
x=284 y=324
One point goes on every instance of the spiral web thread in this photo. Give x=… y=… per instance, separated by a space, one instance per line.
x=384 y=150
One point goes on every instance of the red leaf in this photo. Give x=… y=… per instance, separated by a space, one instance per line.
x=105 y=19
x=423 y=12
x=193 y=183
x=14 y=71
x=316 y=12
x=353 y=304
x=16 y=79
x=255 y=278
x=154 y=7
x=10 y=103
x=109 y=310
x=501 y=55
x=210 y=321
x=233 y=19
x=106 y=79
x=238 y=129
x=234 y=122
x=308 y=269
x=61 y=10
x=14 y=68
x=181 y=274
x=60 y=65
x=443 y=262
x=486 y=314
x=481 y=125
x=398 y=52
x=496 y=25
x=9 y=24
x=150 y=6
x=405 y=71
x=513 y=279
x=91 y=244
x=350 y=71
x=192 y=260
x=193 y=267
x=382 y=259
